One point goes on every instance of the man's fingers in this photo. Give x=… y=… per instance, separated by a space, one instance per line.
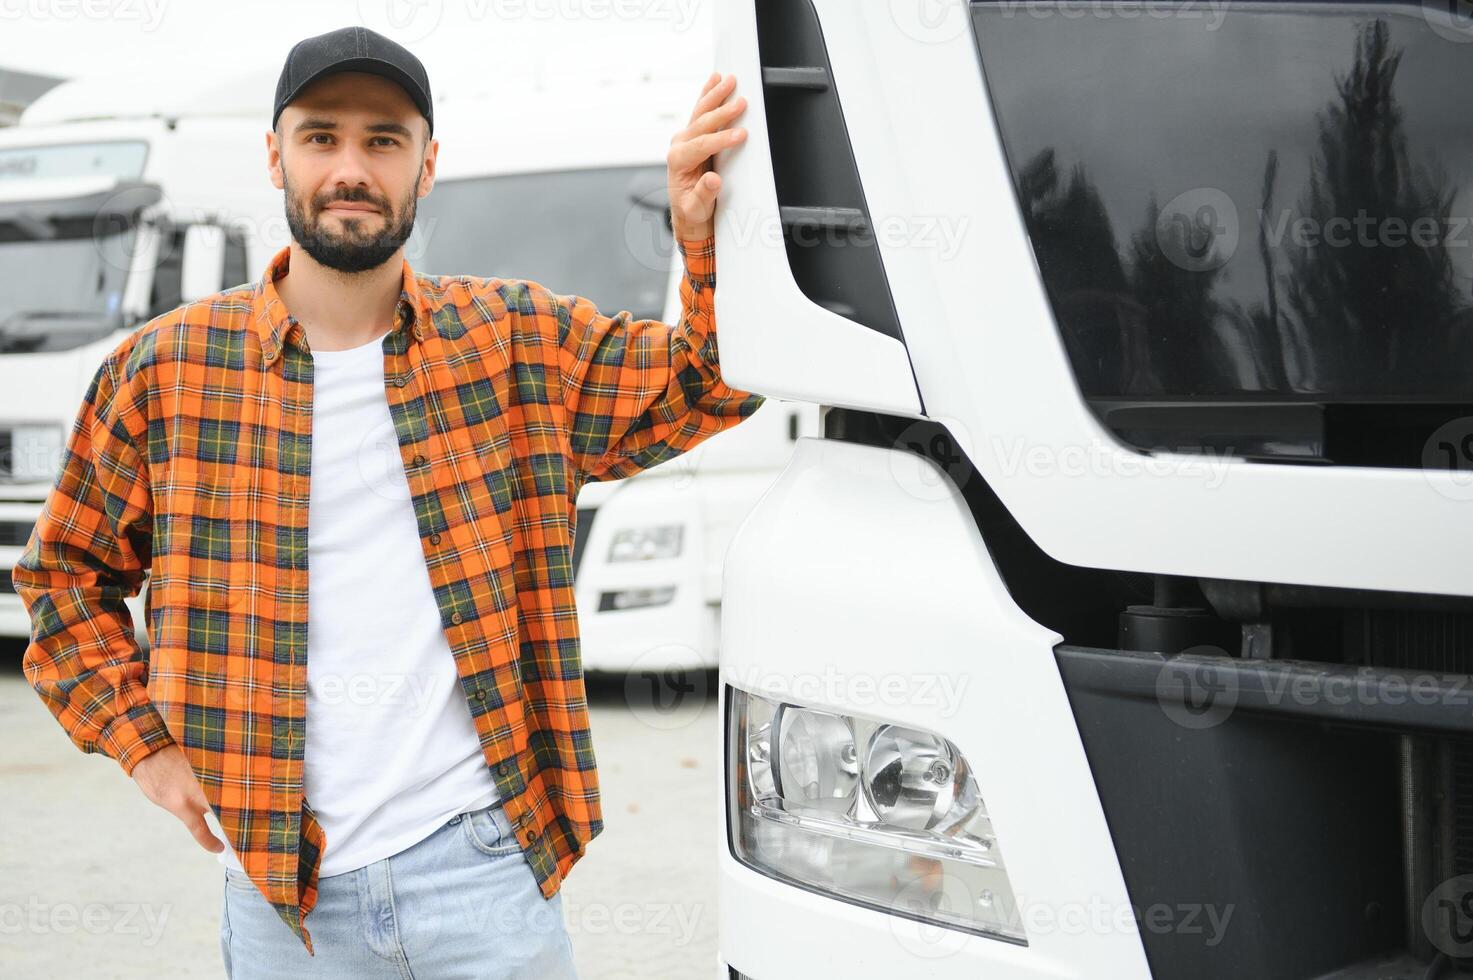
x=713 y=95
x=707 y=188
x=690 y=154
x=711 y=81
x=701 y=200
x=717 y=118
x=194 y=819
x=190 y=808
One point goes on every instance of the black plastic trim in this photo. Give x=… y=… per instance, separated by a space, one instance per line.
x=1368 y=697
x=829 y=238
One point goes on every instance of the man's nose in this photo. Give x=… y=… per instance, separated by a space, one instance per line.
x=349 y=167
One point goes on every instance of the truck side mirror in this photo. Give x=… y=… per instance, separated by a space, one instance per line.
x=203 y=268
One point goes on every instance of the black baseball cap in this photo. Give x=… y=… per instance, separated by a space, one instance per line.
x=353 y=49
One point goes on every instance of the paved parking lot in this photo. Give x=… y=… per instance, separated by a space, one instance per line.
x=95 y=881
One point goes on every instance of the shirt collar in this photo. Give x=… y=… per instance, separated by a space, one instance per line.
x=274 y=325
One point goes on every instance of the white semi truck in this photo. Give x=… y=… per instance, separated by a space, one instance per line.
x=1118 y=624
x=120 y=200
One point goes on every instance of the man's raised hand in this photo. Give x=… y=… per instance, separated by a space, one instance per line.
x=693 y=184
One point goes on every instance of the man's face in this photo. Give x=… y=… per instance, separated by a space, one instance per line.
x=350 y=154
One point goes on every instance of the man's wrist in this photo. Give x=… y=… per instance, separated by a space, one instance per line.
x=692 y=232
x=700 y=260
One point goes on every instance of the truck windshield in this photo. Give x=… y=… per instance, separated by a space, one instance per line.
x=1252 y=219
x=61 y=292
x=600 y=233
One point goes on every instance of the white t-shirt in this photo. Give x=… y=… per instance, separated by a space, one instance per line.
x=391 y=750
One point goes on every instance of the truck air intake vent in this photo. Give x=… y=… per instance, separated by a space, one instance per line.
x=826 y=225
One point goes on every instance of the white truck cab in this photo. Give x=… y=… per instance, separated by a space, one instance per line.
x=1119 y=624
x=119 y=200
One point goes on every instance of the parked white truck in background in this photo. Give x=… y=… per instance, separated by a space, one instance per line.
x=120 y=200
x=1119 y=623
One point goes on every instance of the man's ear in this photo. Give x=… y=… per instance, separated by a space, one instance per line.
x=273 y=160
x=427 y=171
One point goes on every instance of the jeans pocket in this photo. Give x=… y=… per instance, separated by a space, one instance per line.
x=489 y=832
x=238 y=879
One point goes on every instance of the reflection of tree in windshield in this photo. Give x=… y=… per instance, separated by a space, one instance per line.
x=1074 y=243
x=1176 y=304
x=1362 y=306
x=1113 y=319
x=1380 y=300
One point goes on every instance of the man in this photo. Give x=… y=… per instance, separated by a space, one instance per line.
x=427 y=835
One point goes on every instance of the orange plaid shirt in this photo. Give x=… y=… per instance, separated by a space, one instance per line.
x=191 y=456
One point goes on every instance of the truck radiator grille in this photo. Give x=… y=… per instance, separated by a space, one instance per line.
x=1410 y=640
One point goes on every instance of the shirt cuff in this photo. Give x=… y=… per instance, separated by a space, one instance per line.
x=134 y=735
x=700 y=260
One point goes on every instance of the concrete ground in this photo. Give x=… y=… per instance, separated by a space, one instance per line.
x=97 y=882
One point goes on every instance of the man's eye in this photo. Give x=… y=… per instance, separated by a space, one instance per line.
x=316 y=136
x=387 y=140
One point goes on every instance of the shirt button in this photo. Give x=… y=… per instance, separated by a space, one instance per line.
x=504 y=768
x=481 y=696
x=434 y=538
x=455 y=617
x=418 y=460
x=400 y=381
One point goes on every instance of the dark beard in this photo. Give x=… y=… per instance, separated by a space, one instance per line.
x=350 y=251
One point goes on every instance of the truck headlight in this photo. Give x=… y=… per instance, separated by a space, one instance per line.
x=914 y=779
x=881 y=815
x=818 y=764
x=35 y=452
x=646 y=543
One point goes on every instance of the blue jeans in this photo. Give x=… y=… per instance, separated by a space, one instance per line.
x=462 y=903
